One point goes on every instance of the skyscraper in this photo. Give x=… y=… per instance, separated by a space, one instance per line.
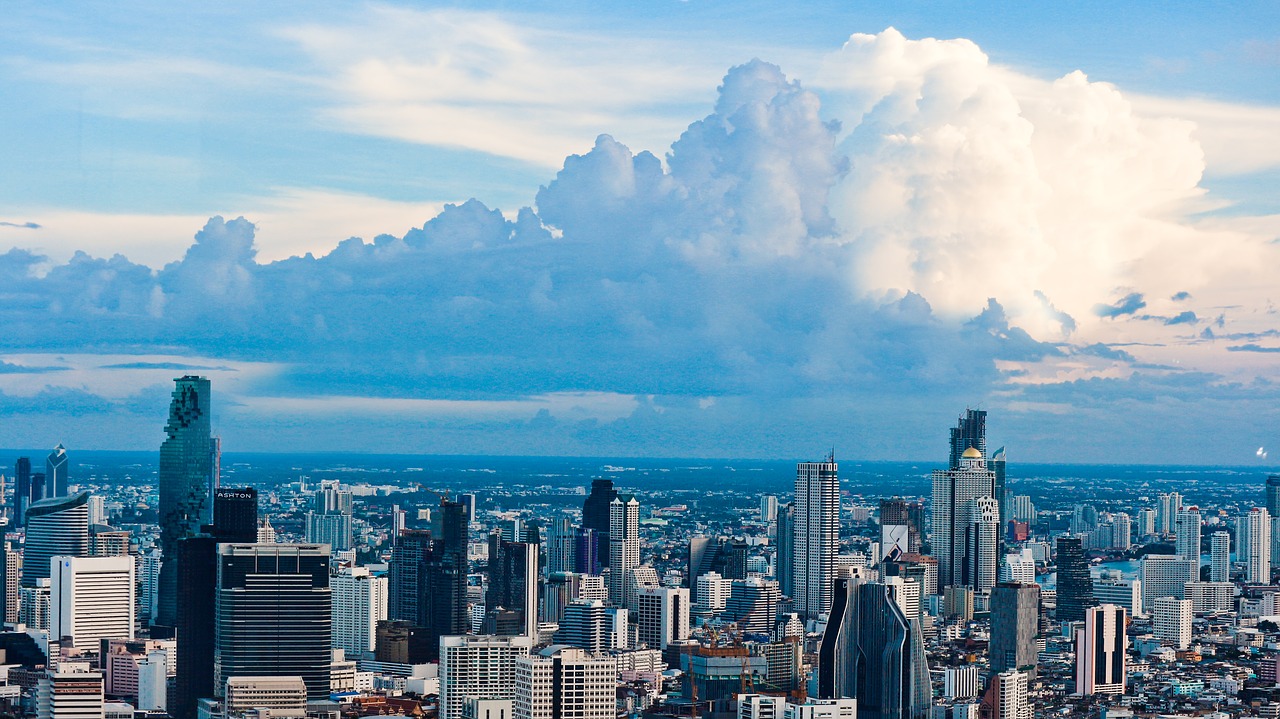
x=91 y=598
x=478 y=666
x=235 y=514
x=1100 y=651
x=981 y=526
x=1171 y=621
x=1010 y=698
x=725 y=557
x=1220 y=557
x=955 y=492
x=329 y=521
x=1015 y=623
x=562 y=545
x=1075 y=583
x=56 y=526
x=1167 y=506
x=1255 y=538
x=595 y=515
x=273 y=615
x=406 y=574
x=442 y=606
x=784 y=558
x=662 y=615
x=186 y=481
x=22 y=498
x=1273 y=495
x=624 y=544
x=816 y=535
x=899 y=512
x=874 y=652
x=513 y=580
x=970 y=432
x=55 y=472
x=565 y=683
x=359 y=603
x=1187 y=525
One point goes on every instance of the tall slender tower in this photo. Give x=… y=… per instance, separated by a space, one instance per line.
x=186 y=482
x=55 y=472
x=969 y=433
x=624 y=544
x=954 y=493
x=1015 y=623
x=1075 y=583
x=1220 y=557
x=22 y=498
x=1273 y=495
x=784 y=559
x=1188 y=529
x=817 y=535
x=1256 y=539
x=595 y=516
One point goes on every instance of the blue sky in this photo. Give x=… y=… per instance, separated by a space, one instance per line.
x=698 y=228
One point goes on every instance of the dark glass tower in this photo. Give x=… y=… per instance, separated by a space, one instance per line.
x=1273 y=495
x=1075 y=583
x=273 y=614
x=595 y=515
x=904 y=513
x=784 y=560
x=970 y=431
x=442 y=608
x=55 y=472
x=586 y=559
x=1015 y=624
x=21 y=490
x=404 y=574
x=235 y=515
x=186 y=482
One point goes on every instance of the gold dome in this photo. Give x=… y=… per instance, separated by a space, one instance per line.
x=971 y=453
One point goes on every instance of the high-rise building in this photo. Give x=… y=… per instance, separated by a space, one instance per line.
x=1015 y=624
x=1010 y=698
x=565 y=683
x=874 y=652
x=1126 y=593
x=359 y=603
x=71 y=691
x=235 y=514
x=981 y=526
x=153 y=681
x=713 y=591
x=960 y=682
x=768 y=509
x=594 y=626
x=1162 y=575
x=1254 y=533
x=1171 y=621
x=442 y=608
x=478 y=666
x=1121 y=531
x=816 y=535
x=279 y=696
x=1273 y=495
x=1075 y=583
x=565 y=587
x=725 y=557
x=12 y=583
x=624 y=544
x=957 y=544
x=58 y=526
x=329 y=521
x=1167 y=506
x=1220 y=557
x=752 y=604
x=273 y=616
x=899 y=512
x=562 y=545
x=663 y=616
x=1210 y=597
x=1187 y=525
x=596 y=516
x=266 y=532
x=1100 y=651
x=406 y=574
x=1146 y=522
x=55 y=472
x=187 y=480
x=784 y=558
x=587 y=559
x=22 y=494
x=513 y=580
x=970 y=432
x=91 y=598
x=1021 y=509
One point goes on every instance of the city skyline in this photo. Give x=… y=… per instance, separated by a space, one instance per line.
x=687 y=231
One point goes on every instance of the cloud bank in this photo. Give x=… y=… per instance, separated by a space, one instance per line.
x=849 y=264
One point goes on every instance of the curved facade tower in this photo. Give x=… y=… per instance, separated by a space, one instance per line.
x=187 y=481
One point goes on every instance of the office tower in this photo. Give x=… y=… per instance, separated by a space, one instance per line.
x=58 y=526
x=1126 y=593
x=596 y=516
x=970 y=432
x=186 y=482
x=980 y=522
x=565 y=587
x=1121 y=531
x=468 y=502
x=713 y=591
x=624 y=543
x=22 y=497
x=637 y=579
x=662 y=614
x=1167 y=506
x=359 y=603
x=91 y=598
x=594 y=626
x=587 y=559
x=513 y=581
x=960 y=682
x=784 y=557
x=329 y=521
x=816 y=535
x=266 y=532
x=153 y=682
x=235 y=514
x=70 y=691
x=1220 y=557
x=279 y=696
x=1273 y=495
x=957 y=603
x=402 y=642
x=1172 y=621
x=899 y=512
x=752 y=604
x=562 y=545
x=273 y=616
x=1075 y=583
x=1162 y=575
x=1015 y=623
x=406 y=574
x=1188 y=528
x=565 y=683
x=874 y=652
x=55 y=472
x=478 y=666
x=768 y=509
x=442 y=608
x=954 y=515
x=1084 y=518
x=1100 y=648
x=1010 y=698
x=1254 y=532
x=722 y=556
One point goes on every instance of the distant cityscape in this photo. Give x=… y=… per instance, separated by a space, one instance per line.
x=195 y=588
